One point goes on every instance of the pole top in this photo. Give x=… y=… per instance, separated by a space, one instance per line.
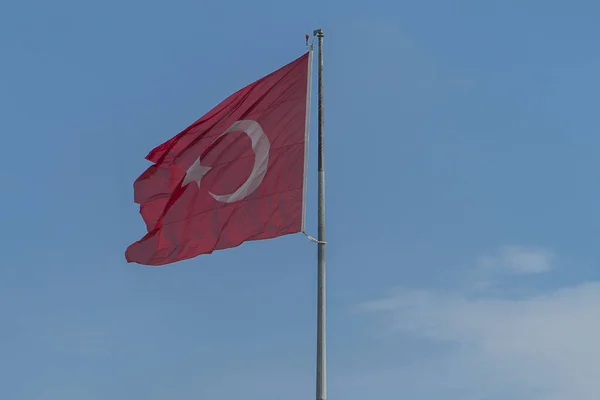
x=318 y=33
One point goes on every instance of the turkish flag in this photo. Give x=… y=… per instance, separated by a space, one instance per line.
x=234 y=175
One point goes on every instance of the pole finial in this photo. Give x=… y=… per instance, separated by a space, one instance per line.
x=318 y=32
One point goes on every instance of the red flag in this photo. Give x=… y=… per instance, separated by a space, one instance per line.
x=234 y=175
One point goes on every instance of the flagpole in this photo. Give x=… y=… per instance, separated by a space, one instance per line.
x=321 y=293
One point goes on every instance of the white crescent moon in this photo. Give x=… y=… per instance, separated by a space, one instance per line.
x=261 y=147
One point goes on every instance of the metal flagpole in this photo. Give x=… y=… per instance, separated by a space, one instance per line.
x=321 y=299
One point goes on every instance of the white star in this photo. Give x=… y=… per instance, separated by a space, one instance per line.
x=195 y=173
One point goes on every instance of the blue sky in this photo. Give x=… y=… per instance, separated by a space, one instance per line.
x=462 y=195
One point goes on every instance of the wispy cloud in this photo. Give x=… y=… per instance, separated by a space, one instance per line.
x=518 y=260
x=510 y=261
x=541 y=347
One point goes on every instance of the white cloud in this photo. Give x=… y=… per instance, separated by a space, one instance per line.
x=509 y=261
x=542 y=347
x=518 y=260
